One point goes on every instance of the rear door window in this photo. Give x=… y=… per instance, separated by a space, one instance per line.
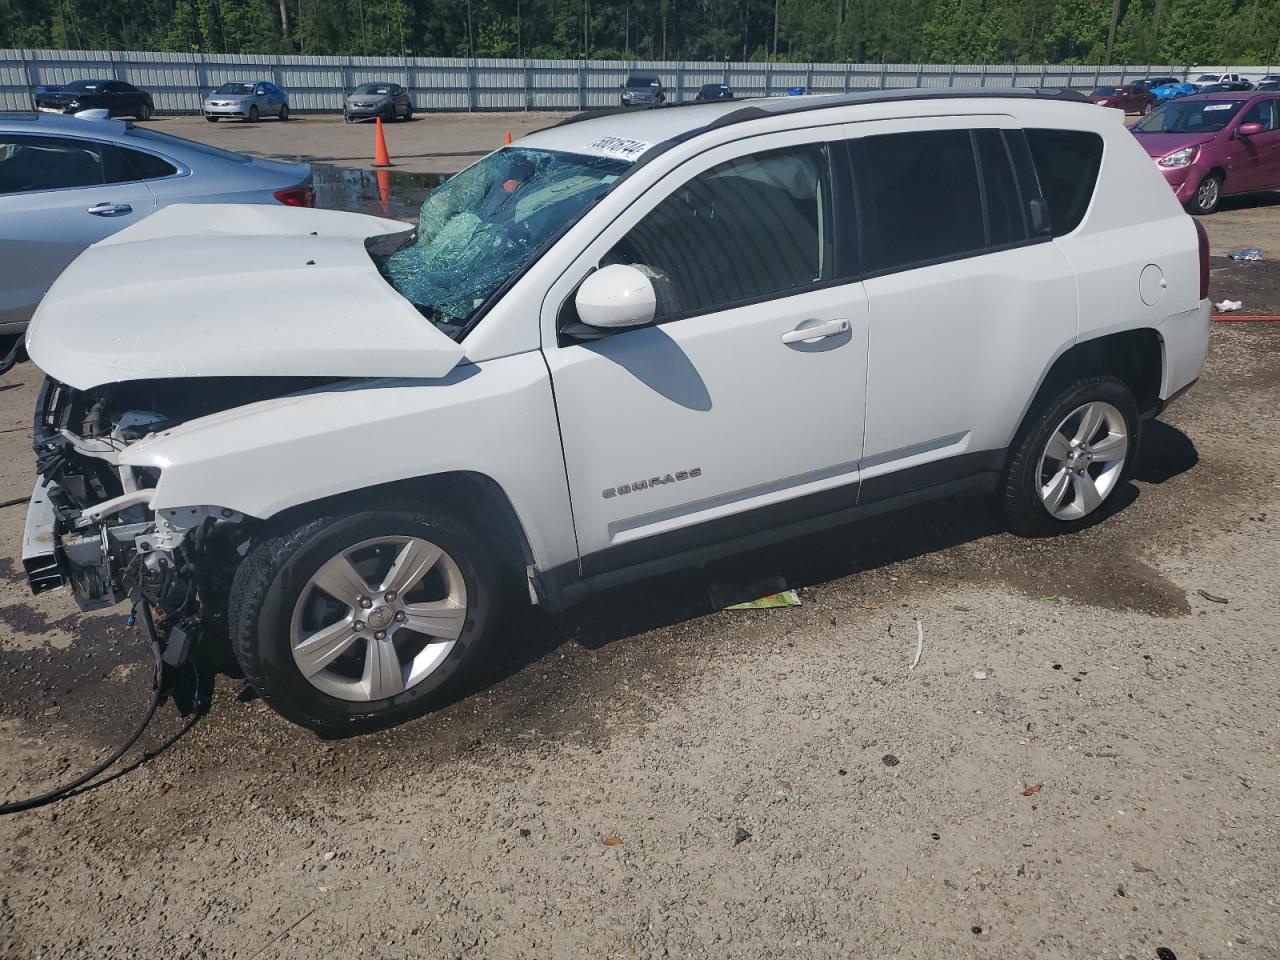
x=1067 y=164
x=1006 y=222
x=29 y=164
x=920 y=198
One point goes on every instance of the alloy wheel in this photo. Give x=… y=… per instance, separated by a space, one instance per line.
x=1207 y=193
x=1083 y=460
x=378 y=618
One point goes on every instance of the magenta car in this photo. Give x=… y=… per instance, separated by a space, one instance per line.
x=1215 y=145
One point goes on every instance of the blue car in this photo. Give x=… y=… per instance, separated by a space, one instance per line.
x=1174 y=91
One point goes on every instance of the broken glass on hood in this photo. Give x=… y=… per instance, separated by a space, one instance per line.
x=479 y=229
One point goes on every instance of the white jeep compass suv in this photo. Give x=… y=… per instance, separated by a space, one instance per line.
x=621 y=346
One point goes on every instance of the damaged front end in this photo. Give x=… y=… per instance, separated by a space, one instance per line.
x=90 y=523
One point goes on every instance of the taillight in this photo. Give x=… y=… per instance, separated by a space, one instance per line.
x=304 y=196
x=1204 y=259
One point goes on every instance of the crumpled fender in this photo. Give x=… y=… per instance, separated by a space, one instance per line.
x=495 y=418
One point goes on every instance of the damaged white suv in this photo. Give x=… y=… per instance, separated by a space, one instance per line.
x=622 y=346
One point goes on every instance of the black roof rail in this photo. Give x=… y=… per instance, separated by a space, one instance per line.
x=776 y=106
x=789 y=105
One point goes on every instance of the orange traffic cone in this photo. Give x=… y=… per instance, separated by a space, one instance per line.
x=380 y=157
x=507 y=141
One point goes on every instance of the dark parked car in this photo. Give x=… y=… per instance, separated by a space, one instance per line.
x=118 y=98
x=1228 y=86
x=1132 y=98
x=643 y=90
x=1269 y=85
x=714 y=91
x=1150 y=83
x=390 y=101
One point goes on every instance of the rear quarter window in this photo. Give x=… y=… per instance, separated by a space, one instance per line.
x=1067 y=164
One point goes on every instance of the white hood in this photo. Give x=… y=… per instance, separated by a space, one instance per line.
x=234 y=290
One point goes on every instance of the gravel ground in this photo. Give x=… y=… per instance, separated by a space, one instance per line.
x=648 y=776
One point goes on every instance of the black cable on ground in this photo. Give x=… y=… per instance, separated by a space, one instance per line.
x=157 y=694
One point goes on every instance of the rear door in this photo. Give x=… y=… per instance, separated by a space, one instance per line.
x=720 y=419
x=968 y=297
x=55 y=200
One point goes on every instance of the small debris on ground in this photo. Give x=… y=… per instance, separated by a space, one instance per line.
x=919 y=645
x=1164 y=953
x=889 y=760
x=1032 y=790
x=1248 y=253
x=740 y=835
x=612 y=840
x=787 y=598
x=1212 y=597
x=1229 y=306
x=979 y=675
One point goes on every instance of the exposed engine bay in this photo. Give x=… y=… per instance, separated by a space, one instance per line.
x=102 y=535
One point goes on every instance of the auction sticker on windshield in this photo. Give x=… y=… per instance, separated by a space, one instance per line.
x=620 y=147
x=1218 y=106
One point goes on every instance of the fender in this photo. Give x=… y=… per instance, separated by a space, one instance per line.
x=496 y=418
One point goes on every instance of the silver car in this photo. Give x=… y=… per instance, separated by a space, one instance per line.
x=67 y=182
x=246 y=101
x=390 y=101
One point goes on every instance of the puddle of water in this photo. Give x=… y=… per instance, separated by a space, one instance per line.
x=382 y=193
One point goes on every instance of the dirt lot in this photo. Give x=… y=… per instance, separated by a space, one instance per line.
x=781 y=784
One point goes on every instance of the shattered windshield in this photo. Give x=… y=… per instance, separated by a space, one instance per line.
x=479 y=229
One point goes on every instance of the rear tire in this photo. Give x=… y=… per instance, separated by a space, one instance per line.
x=212 y=119
x=1208 y=195
x=284 y=111
x=277 y=611
x=1064 y=474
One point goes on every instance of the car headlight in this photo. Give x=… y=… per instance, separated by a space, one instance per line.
x=1179 y=158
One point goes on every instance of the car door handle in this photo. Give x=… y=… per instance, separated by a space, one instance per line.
x=809 y=330
x=110 y=209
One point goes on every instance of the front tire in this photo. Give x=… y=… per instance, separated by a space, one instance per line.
x=1074 y=455
x=212 y=119
x=284 y=111
x=253 y=114
x=362 y=620
x=1207 y=196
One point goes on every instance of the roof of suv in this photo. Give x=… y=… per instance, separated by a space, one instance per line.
x=621 y=132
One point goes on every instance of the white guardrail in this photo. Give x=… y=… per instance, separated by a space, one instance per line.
x=176 y=81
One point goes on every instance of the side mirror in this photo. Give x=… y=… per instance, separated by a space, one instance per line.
x=615 y=297
x=1249 y=130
